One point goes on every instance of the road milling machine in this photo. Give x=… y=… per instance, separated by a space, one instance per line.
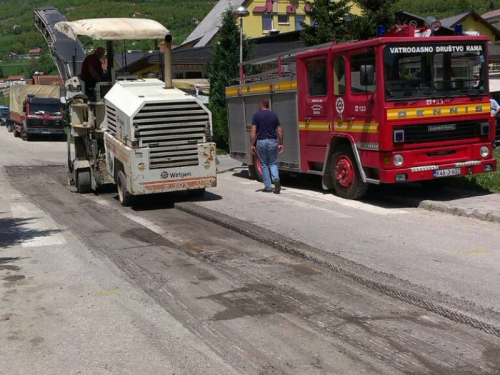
x=141 y=134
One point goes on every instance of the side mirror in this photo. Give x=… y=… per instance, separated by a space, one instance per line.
x=24 y=107
x=367 y=75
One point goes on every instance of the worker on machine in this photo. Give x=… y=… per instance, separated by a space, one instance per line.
x=92 y=71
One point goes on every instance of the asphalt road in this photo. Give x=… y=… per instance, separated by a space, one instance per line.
x=90 y=287
x=455 y=256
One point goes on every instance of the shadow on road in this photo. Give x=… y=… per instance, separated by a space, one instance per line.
x=13 y=231
x=7 y=260
x=168 y=200
x=385 y=195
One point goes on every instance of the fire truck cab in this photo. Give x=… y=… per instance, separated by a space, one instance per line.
x=391 y=109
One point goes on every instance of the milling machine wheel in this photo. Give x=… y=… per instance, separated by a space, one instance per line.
x=123 y=195
x=83 y=184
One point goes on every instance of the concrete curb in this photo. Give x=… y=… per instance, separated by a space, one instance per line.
x=460 y=311
x=445 y=207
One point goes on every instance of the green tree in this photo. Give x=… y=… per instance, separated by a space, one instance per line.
x=375 y=12
x=329 y=20
x=46 y=64
x=222 y=71
x=1 y=73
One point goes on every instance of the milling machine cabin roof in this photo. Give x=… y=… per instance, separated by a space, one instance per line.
x=113 y=29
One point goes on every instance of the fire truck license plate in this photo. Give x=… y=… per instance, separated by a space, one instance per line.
x=447 y=172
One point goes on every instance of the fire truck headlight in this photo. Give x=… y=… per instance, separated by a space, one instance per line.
x=484 y=151
x=398 y=160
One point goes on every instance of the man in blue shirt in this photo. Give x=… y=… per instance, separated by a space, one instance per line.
x=267 y=131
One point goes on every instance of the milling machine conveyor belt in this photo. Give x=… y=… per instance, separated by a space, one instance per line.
x=68 y=54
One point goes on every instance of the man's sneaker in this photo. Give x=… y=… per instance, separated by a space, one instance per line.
x=267 y=190
x=277 y=186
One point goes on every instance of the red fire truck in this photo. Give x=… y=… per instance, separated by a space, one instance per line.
x=392 y=109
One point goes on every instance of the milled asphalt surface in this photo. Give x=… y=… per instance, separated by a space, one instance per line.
x=90 y=287
x=455 y=256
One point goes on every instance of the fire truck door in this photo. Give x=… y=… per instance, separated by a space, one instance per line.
x=317 y=116
x=359 y=107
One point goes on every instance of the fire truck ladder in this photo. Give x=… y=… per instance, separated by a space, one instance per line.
x=68 y=54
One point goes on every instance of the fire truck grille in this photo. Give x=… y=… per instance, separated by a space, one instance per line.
x=423 y=133
x=172 y=132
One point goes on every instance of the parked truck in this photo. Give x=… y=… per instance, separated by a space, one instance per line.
x=141 y=134
x=35 y=111
x=392 y=109
x=4 y=114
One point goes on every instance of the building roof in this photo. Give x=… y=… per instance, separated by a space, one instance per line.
x=47 y=80
x=450 y=22
x=453 y=20
x=210 y=25
x=493 y=13
x=35 y=50
x=129 y=58
x=19 y=77
x=494 y=52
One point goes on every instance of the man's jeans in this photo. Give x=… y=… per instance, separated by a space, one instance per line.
x=267 y=150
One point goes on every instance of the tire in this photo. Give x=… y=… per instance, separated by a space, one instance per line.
x=346 y=177
x=83 y=183
x=16 y=133
x=10 y=128
x=255 y=170
x=25 y=136
x=196 y=193
x=124 y=196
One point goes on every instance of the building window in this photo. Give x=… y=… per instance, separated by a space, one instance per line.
x=298 y=20
x=356 y=62
x=283 y=19
x=267 y=22
x=316 y=78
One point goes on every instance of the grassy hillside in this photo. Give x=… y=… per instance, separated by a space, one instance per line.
x=178 y=16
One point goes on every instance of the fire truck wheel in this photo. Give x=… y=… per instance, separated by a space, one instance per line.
x=255 y=170
x=83 y=184
x=123 y=195
x=345 y=174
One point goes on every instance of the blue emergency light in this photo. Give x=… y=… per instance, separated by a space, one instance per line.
x=380 y=30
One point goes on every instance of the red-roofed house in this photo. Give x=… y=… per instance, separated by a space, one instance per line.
x=35 y=52
x=16 y=78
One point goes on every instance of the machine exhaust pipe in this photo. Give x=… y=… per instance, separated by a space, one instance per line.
x=167 y=50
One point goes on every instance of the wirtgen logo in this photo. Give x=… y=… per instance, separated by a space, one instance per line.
x=167 y=174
